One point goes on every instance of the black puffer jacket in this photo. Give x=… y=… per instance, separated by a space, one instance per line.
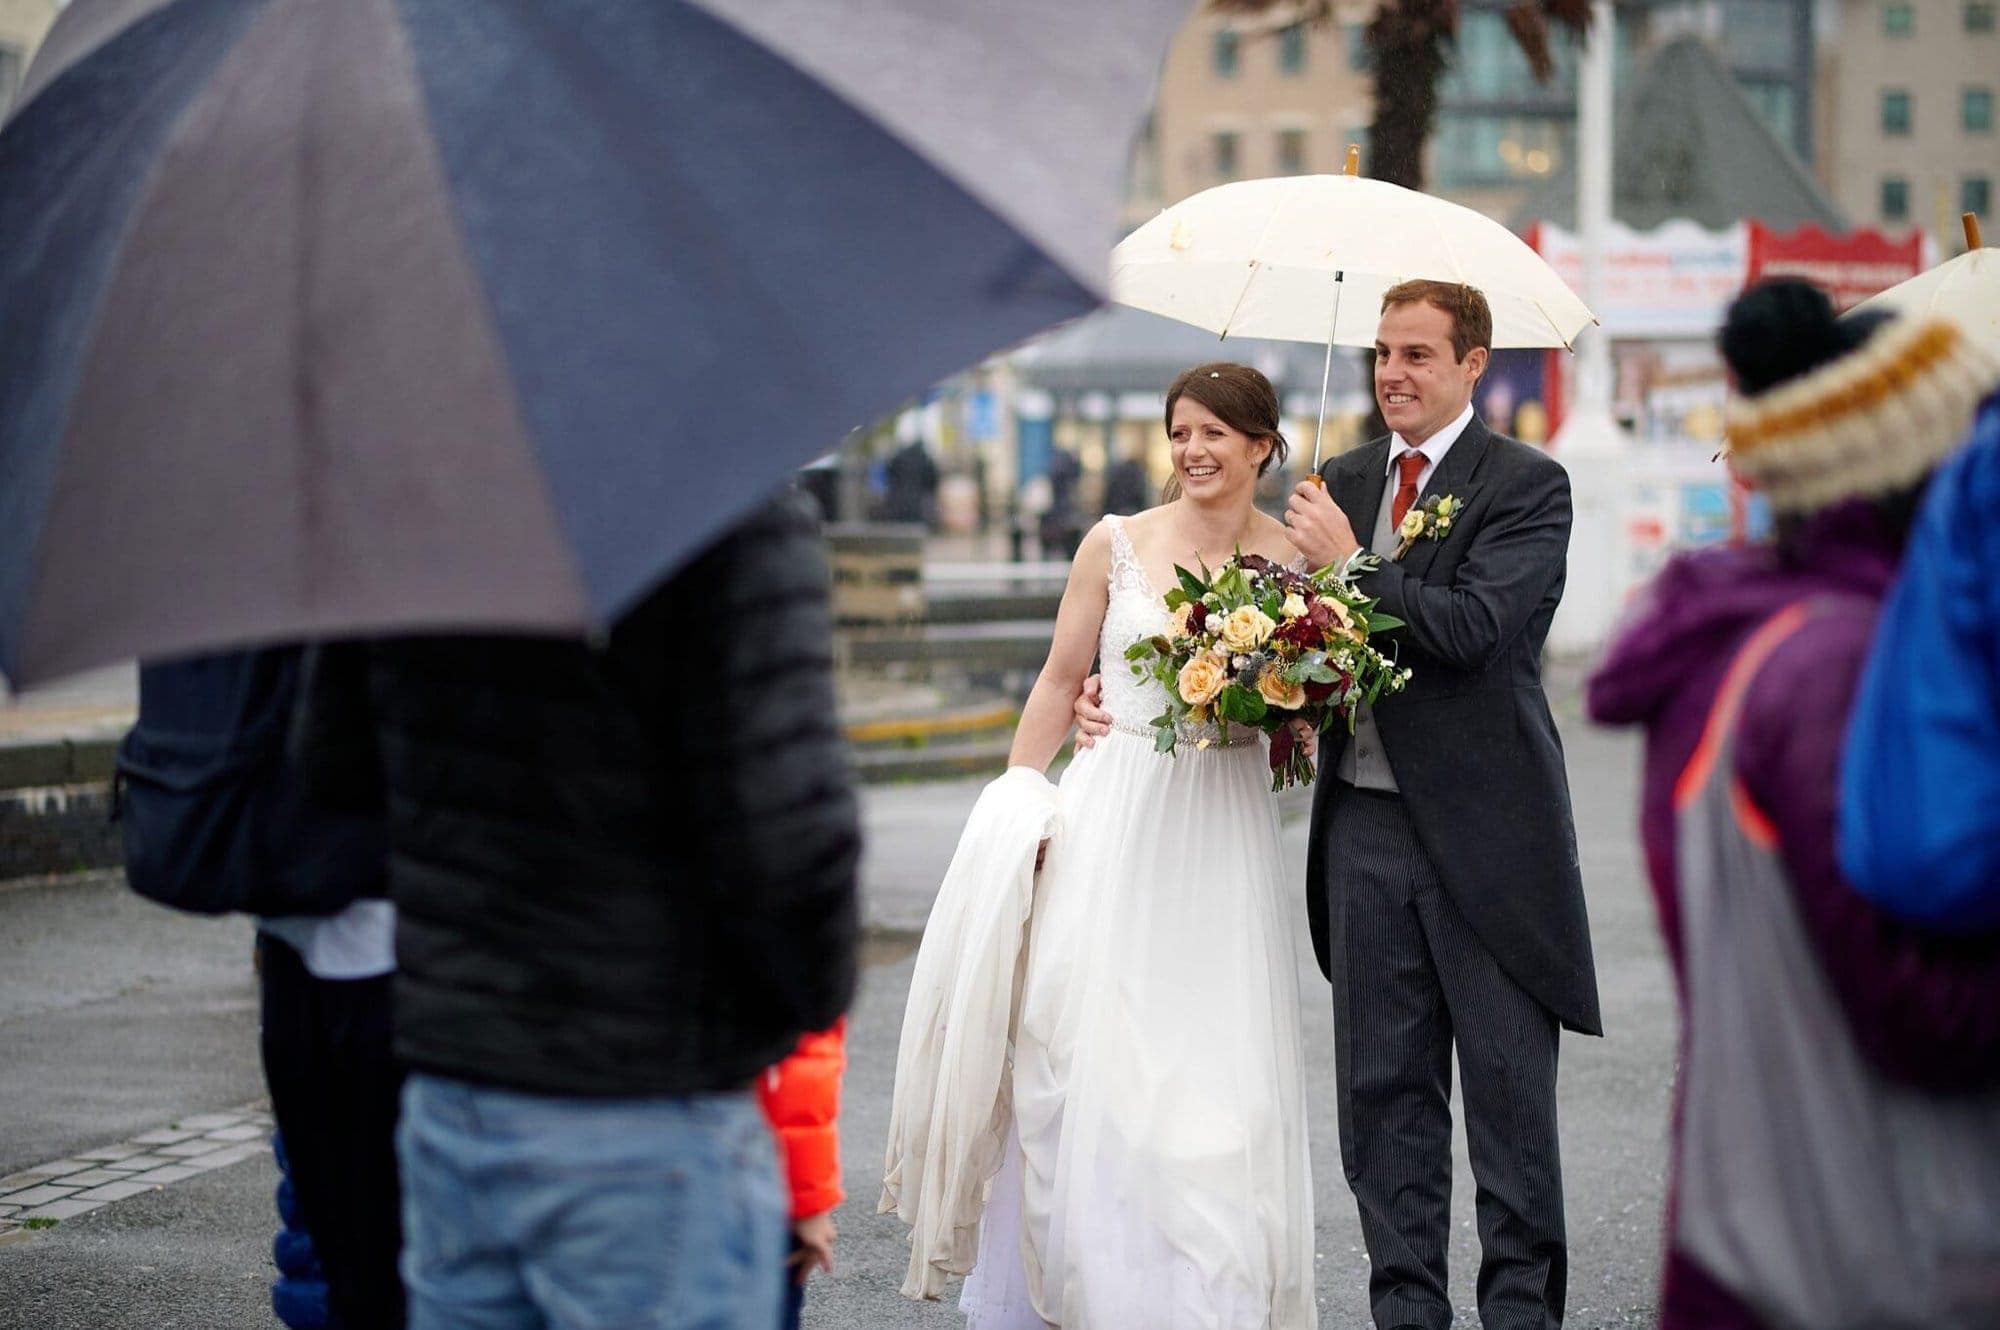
x=618 y=871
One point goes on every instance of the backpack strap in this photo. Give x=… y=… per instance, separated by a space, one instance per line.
x=1723 y=714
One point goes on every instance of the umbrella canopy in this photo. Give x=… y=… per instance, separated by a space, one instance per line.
x=1966 y=290
x=1277 y=258
x=324 y=318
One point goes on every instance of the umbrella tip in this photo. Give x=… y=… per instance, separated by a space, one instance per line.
x=1971 y=222
x=1354 y=162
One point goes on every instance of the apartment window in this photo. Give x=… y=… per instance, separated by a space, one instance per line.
x=1224 y=152
x=1475 y=150
x=1227 y=49
x=1899 y=20
x=1776 y=105
x=1292 y=49
x=1358 y=57
x=1896 y=113
x=1979 y=18
x=1975 y=110
x=1291 y=152
x=1975 y=194
x=1895 y=199
x=1759 y=34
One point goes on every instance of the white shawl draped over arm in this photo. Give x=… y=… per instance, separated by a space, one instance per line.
x=952 y=1104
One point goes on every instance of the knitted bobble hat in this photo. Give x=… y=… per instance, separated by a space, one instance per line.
x=1846 y=420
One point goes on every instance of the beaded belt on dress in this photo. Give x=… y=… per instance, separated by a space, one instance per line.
x=1239 y=735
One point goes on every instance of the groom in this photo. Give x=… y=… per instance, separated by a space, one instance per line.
x=1442 y=875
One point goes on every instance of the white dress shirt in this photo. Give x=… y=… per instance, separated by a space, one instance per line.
x=1434 y=448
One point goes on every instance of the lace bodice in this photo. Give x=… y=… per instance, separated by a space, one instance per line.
x=1135 y=610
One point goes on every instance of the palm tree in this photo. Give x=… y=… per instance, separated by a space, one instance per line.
x=1409 y=43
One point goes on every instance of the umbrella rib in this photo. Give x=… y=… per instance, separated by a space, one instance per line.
x=1230 y=322
x=1255 y=263
x=1555 y=327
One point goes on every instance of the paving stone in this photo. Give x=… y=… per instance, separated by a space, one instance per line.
x=111 y=1153
x=164 y=1136
x=188 y=1149
x=13 y=1233
x=248 y=1131
x=140 y=1163
x=210 y=1121
x=62 y=1166
x=230 y=1154
x=115 y=1191
x=16 y=1181
x=69 y=1209
x=95 y=1177
x=6 y=1210
x=39 y=1195
x=172 y=1173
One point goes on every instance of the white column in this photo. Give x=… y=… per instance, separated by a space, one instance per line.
x=1591 y=444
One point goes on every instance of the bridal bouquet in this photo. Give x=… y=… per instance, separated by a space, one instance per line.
x=1261 y=645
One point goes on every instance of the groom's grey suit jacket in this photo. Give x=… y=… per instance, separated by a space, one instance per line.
x=1471 y=741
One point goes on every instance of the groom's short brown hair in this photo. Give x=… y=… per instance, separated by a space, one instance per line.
x=1471 y=320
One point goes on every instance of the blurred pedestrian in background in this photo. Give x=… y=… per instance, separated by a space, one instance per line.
x=801 y=1097
x=912 y=480
x=1126 y=489
x=624 y=875
x=1920 y=799
x=1836 y=1147
x=215 y=818
x=1062 y=524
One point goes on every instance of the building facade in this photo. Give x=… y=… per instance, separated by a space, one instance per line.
x=23 y=24
x=1910 y=116
x=1271 y=97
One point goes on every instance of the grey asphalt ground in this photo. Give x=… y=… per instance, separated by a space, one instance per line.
x=117 y=1017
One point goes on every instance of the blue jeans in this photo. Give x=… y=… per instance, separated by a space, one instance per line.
x=531 y=1212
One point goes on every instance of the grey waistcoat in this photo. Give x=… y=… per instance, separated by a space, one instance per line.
x=1364 y=764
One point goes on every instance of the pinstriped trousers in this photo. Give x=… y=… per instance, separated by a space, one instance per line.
x=1411 y=982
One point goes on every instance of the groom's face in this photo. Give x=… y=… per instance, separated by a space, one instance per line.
x=1420 y=383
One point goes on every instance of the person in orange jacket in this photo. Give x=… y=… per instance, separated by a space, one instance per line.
x=801 y=1097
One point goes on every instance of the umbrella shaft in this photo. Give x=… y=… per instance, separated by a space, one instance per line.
x=1326 y=375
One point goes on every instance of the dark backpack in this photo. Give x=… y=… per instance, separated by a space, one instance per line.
x=214 y=816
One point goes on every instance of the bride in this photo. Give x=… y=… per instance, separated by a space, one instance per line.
x=1158 y=1175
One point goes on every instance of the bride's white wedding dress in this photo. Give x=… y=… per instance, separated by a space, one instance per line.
x=1159 y=1177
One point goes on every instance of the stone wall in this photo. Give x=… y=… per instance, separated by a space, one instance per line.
x=57 y=829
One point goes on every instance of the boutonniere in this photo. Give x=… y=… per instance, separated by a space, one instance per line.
x=1429 y=520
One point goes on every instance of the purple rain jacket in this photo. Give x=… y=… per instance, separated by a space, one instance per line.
x=1923 y=1010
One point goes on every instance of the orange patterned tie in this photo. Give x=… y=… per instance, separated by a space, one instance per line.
x=1411 y=465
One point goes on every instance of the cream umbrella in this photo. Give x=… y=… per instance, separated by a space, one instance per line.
x=1307 y=258
x=1965 y=290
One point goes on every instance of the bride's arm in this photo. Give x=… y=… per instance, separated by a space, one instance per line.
x=1045 y=721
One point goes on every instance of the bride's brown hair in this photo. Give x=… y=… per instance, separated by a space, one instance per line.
x=1241 y=398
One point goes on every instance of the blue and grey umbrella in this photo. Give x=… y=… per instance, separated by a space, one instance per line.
x=335 y=316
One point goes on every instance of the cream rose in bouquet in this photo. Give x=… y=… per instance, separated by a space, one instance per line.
x=1258 y=645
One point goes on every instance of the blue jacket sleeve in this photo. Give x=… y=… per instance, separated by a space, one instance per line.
x=1920 y=782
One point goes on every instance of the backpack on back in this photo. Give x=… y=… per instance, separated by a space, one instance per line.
x=214 y=816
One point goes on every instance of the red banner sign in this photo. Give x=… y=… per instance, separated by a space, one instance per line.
x=1850 y=267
